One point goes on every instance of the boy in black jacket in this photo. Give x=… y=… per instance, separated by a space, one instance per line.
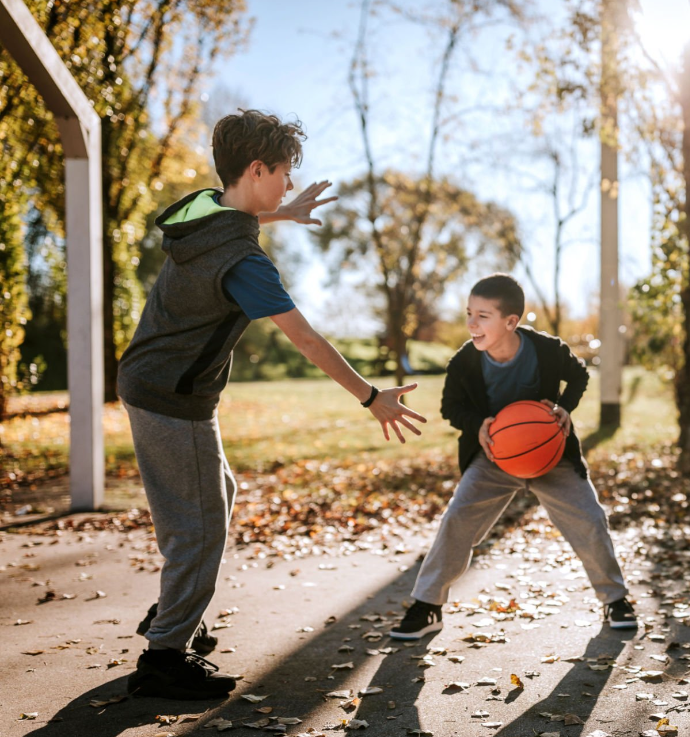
x=501 y=364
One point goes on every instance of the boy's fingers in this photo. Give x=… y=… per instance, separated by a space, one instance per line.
x=409 y=426
x=324 y=201
x=407 y=388
x=398 y=431
x=414 y=415
x=384 y=427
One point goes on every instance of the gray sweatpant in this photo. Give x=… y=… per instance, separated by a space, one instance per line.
x=191 y=490
x=481 y=496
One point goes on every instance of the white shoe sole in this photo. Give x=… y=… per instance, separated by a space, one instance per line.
x=435 y=627
x=624 y=625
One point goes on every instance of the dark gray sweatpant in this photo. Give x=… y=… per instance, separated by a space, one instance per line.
x=191 y=490
x=481 y=496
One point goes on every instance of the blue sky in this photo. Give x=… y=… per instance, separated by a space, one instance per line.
x=296 y=63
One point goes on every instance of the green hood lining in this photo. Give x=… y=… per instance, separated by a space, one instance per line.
x=201 y=206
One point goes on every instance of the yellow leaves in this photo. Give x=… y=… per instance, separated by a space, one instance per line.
x=515 y=681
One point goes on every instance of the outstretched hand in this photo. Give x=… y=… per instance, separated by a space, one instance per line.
x=388 y=410
x=299 y=210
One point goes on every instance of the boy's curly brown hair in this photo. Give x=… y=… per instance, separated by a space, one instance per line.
x=250 y=136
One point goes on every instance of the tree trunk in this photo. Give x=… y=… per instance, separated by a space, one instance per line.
x=683 y=376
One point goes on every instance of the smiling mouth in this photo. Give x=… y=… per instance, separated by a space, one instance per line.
x=476 y=337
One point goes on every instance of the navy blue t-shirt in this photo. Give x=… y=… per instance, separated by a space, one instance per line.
x=254 y=284
x=514 y=380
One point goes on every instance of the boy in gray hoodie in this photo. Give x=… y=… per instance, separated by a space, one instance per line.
x=215 y=280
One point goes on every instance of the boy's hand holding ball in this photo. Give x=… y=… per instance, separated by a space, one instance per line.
x=484 y=440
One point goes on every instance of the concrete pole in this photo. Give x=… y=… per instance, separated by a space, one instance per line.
x=80 y=133
x=610 y=313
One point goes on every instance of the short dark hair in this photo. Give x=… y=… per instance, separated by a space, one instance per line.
x=503 y=288
x=252 y=135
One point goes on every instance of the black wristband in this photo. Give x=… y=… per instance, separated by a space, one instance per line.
x=372 y=397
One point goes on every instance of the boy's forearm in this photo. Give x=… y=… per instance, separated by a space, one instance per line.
x=577 y=378
x=322 y=354
x=272 y=217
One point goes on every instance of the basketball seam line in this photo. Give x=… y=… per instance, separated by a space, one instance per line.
x=518 y=424
x=536 y=447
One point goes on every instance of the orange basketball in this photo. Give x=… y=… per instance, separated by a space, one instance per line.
x=527 y=439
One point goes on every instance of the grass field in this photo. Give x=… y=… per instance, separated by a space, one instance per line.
x=283 y=421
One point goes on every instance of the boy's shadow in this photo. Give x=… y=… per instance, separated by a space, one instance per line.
x=582 y=683
x=78 y=717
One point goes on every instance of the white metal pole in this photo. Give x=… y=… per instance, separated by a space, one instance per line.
x=610 y=313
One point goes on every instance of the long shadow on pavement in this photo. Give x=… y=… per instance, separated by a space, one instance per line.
x=291 y=694
x=583 y=685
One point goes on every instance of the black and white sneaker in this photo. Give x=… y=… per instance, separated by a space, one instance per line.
x=203 y=641
x=172 y=674
x=421 y=619
x=620 y=614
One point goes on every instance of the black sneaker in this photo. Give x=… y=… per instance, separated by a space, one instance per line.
x=171 y=674
x=620 y=614
x=203 y=642
x=420 y=619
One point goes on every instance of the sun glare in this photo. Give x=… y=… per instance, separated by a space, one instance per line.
x=664 y=27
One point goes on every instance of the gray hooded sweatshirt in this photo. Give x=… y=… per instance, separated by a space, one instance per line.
x=180 y=357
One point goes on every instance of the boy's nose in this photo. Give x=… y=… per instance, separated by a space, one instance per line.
x=290 y=185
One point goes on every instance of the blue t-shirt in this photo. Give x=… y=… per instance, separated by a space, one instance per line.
x=514 y=380
x=254 y=284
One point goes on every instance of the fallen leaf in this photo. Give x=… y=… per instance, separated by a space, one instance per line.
x=550 y=658
x=166 y=718
x=352 y=703
x=357 y=724
x=32 y=652
x=289 y=720
x=258 y=725
x=515 y=681
x=97 y=703
x=370 y=690
x=28 y=715
x=492 y=725
x=455 y=658
x=219 y=723
x=572 y=719
x=264 y=709
x=342 y=666
x=480 y=714
x=20 y=622
x=485 y=681
x=345 y=649
x=343 y=694
x=651 y=675
x=254 y=698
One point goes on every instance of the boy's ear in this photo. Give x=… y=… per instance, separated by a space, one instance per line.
x=513 y=321
x=255 y=169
